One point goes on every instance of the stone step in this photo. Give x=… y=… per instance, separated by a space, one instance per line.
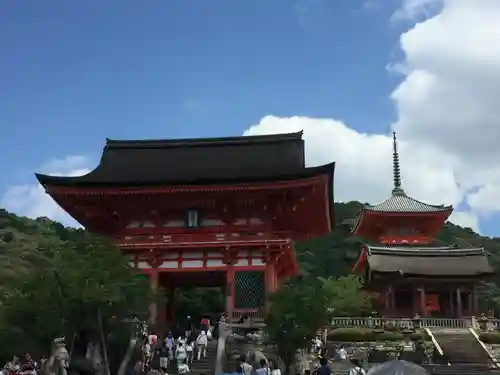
x=461 y=348
x=343 y=369
x=205 y=365
x=470 y=369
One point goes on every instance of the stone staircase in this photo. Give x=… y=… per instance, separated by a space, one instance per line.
x=206 y=365
x=340 y=368
x=460 y=347
x=462 y=369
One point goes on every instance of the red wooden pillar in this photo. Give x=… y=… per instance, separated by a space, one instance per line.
x=163 y=315
x=153 y=308
x=230 y=292
x=475 y=302
x=171 y=304
x=423 y=302
x=460 y=311
x=388 y=301
x=270 y=280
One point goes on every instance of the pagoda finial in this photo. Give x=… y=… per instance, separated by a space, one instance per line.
x=398 y=190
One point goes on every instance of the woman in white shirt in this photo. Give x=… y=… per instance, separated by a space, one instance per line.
x=201 y=345
x=189 y=352
x=356 y=369
x=180 y=355
x=342 y=354
x=274 y=369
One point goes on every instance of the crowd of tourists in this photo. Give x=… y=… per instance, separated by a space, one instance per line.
x=24 y=365
x=176 y=351
x=339 y=354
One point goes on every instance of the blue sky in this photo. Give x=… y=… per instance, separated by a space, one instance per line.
x=75 y=72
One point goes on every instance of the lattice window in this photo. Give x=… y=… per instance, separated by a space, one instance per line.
x=192 y=220
x=249 y=289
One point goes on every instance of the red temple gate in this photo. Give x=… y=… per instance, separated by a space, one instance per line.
x=205 y=212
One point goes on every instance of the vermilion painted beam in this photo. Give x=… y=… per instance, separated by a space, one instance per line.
x=290 y=197
x=183 y=189
x=228 y=228
x=197 y=270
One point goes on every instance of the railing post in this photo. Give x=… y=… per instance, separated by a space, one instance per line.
x=221 y=348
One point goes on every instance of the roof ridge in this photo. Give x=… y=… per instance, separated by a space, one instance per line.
x=403 y=196
x=427 y=204
x=193 y=142
x=409 y=246
x=424 y=251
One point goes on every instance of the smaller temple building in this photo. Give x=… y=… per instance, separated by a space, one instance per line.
x=404 y=263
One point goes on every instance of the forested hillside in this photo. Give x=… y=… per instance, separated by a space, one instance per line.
x=59 y=278
x=332 y=255
x=336 y=253
x=57 y=281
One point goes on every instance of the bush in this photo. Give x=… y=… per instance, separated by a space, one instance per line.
x=368 y=334
x=490 y=337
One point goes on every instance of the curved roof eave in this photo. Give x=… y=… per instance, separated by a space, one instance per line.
x=86 y=180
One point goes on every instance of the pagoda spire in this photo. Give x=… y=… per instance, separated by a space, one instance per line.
x=396 y=171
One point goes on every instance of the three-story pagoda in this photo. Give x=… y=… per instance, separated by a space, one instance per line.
x=404 y=263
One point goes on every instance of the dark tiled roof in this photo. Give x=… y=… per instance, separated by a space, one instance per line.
x=400 y=202
x=428 y=261
x=197 y=161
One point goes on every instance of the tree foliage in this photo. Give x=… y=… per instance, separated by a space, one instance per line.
x=297 y=312
x=304 y=305
x=39 y=256
x=335 y=254
x=345 y=296
x=55 y=282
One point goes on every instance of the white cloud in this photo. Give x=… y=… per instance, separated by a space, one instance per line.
x=31 y=200
x=466 y=220
x=451 y=94
x=447 y=118
x=448 y=115
x=364 y=163
x=415 y=9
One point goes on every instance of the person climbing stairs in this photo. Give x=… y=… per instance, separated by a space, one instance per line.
x=206 y=365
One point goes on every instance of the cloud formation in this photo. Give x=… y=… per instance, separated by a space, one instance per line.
x=447 y=119
x=448 y=111
x=31 y=200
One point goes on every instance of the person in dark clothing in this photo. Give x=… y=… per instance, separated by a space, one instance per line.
x=193 y=336
x=80 y=366
x=323 y=368
x=155 y=360
x=164 y=358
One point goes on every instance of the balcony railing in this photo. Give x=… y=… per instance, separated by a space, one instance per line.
x=404 y=323
x=208 y=239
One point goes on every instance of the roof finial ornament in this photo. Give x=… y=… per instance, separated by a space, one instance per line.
x=398 y=190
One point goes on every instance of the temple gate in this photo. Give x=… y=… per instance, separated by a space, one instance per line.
x=205 y=212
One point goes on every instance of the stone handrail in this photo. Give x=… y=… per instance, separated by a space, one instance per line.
x=221 y=348
x=435 y=342
x=483 y=346
x=408 y=323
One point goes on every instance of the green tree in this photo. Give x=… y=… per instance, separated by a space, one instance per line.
x=297 y=312
x=345 y=296
x=59 y=285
